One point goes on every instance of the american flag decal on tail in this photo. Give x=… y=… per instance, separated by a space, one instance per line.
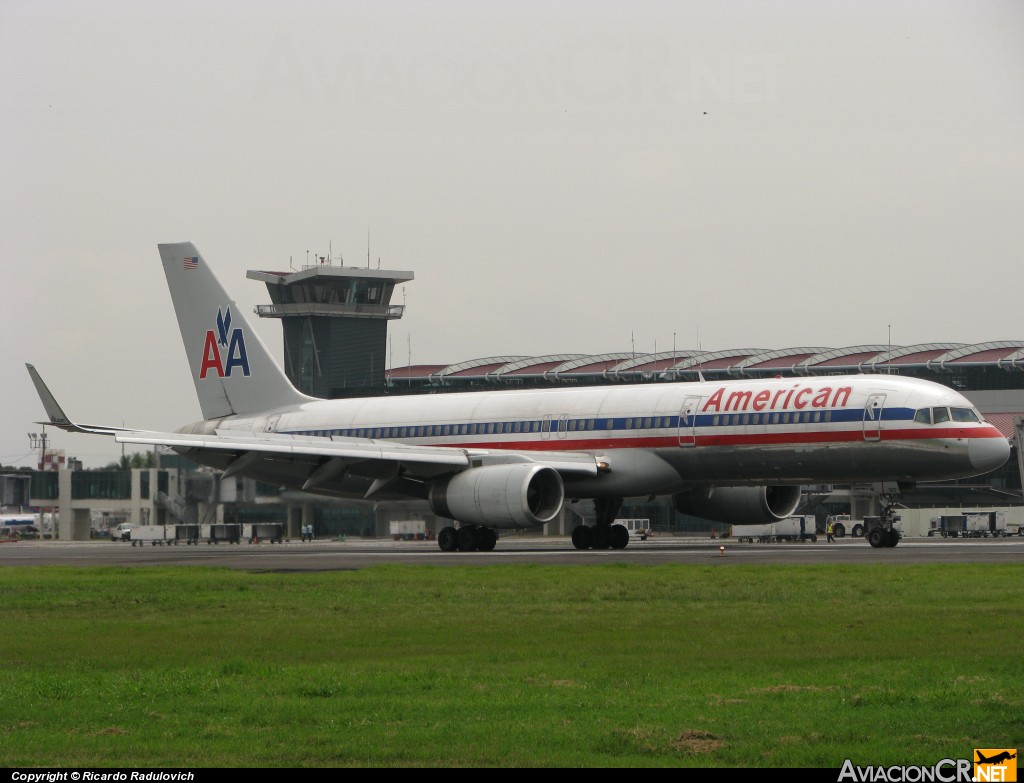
x=192 y=262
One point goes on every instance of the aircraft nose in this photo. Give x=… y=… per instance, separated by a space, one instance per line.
x=988 y=453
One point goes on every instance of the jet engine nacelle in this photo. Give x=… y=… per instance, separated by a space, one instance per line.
x=517 y=495
x=739 y=505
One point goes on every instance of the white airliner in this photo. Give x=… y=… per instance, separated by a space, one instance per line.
x=731 y=451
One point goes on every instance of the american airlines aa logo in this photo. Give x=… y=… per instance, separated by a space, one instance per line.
x=995 y=764
x=224 y=349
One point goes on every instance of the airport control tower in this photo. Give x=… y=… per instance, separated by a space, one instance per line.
x=335 y=322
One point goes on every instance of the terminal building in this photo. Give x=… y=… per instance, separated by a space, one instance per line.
x=334 y=322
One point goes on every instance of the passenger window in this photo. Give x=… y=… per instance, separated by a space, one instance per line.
x=923 y=416
x=940 y=414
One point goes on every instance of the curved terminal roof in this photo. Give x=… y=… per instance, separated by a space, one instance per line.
x=739 y=362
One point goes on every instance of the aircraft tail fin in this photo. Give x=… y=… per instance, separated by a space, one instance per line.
x=232 y=369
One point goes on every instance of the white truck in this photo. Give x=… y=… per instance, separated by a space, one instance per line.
x=408 y=529
x=153 y=535
x=638 y=528
x=122 y=532
x=799 y=528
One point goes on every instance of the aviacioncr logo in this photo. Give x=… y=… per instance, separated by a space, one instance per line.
x=224 y=349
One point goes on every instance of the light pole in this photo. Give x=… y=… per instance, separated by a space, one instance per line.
x=38 y=441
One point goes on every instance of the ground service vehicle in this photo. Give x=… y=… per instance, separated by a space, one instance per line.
x=153 y=535
x=983 y=524
x=844 y=524
x=638 y=528
x=407 y=529
x=796 y=528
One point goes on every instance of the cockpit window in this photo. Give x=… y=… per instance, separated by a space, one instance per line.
x=965 y=414
x=940 y=414
x=923 y=416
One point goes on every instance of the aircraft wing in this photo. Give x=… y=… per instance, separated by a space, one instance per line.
x=321 y=461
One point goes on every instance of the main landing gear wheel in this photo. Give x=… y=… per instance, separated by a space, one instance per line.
x=600 y=537
x=620 y=537
x=486 y=539
x=582 y=537
x=448 y=539
x=468 y=538
x=603 y=535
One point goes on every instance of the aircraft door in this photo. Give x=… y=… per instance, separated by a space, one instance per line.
x=688 y=421
x=873 y=416
x=545 y=428
x=563 y=424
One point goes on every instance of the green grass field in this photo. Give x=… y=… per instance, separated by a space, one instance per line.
x=510 y=666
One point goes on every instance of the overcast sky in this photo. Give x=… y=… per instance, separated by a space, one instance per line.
x=561 y=177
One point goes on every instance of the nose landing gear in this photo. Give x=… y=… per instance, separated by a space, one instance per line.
x=881 y=532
